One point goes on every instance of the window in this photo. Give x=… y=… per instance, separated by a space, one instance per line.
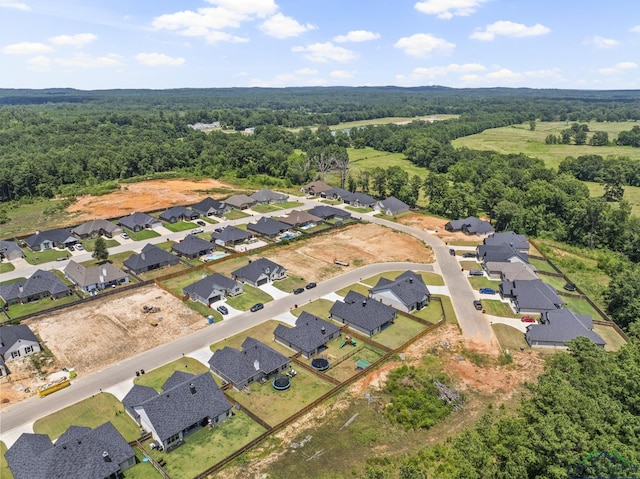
x=15 y=354
x=28 y=349
x=173 y=439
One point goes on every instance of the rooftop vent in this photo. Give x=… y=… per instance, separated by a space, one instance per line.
x=322 y=330
x=106 y=456
x=192 y=388
x=364 y=302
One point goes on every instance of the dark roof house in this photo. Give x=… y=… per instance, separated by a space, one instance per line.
x=17 y=342
x=41 y=284
x=44 y=240
x=94 y=228
x=151 y=257
x=230 y=235
x=210 y=207
x=309 y=336
x=94 y=278
x=10 y=251
x=184 y=406
x=392 y=206
x=470 y=226
x=360 y=199
x=407 y=292
x=259 y=272
x=363 y=314
x=254 y=362
x=240 y=202
x=192 y=247
x=531 y=296
x=266 y=196
x=518 y=242
x=212 y=288
x=557 y=327
x=268 y=227
x=80 y=453
x=326 y=212
x=178 y=213
x=336 y=193
x=500 y=253
x=139 y=221
x=506 y=271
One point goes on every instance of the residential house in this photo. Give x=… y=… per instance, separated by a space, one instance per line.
x=240 y=202
x=335 y=194
x=260 y=271
x=507 y=271
x=178 y=213
x=530 y=296
x=17 y=342
x=269 y=227
x=212 y=288
x=300 y=219
x=186 y=404
x=407 y=292
x=230 y=235
x=470 y=226
x=309 y=336
x=3 y=368
x=41 y=284
x=315 y=188
x=500 y=253
x=211 y=207
x=44 y=240
x=266 y=196
x=559 y=326
x=192 y=247
x=151 y=257
x=79 y=453
x=254 y=362
x=328 y=213
x=95 y=228
x=391 y=206
x=516 y=241
x=360 y=200
x=10 y=251
x=139 y=221
x=363 y=314
x=94 y=278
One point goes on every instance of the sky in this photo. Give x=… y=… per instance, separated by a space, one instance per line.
x=160 y=44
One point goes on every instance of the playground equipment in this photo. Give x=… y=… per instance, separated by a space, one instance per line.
x=348 y=340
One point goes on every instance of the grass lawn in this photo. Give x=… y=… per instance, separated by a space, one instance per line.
x=142 y=470
x=262 y=332
x=91 y=412
x=478 y=282
x=207 y=447
x=342 y=368
x=433 y=311
x=447 y=308
x=498 y=308
x=275 y=406
x=468 y=265
x=157 y=377
x=250 y=296
x=402 y=330
x=157 y=273
x=205 y=311
x=469 y=242
x=5 y=472
x=580 y=306
x=89 y=244
x=509 y=337
x=20 y=310
x=542 y=265
x=235 y=214
x=265 y=208
x=178 y=283
x=180 y=226
x=631 y=194
x=289 y=283
x=357 y=287
x=165 y=245
x=142 y=234
x=5 y=267
x=39 y=257
x=556 y=282
x=611 y=336
x=358 y=209
x=519 y=139
x=320 y=307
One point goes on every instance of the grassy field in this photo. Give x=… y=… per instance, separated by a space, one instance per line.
x=156 y=378
x=556 y=282
x=91 y=412
x=387 y=120
x=5 y=472
x=262 y=332
x=519 y=139
x=498 y=308
x=343 y=367
x=403 y=329
x=611 y=336
x=631 y=194
x=542 y=265
x=509 y=338
x=250 y=296
x=20 y=310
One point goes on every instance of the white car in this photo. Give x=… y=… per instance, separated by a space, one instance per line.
x=196 y=231
x=124 y=235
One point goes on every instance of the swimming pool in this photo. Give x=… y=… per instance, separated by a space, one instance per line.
x=213 y=256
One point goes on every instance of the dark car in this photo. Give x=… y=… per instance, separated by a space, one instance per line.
x=570 y=287
x=310 y=286
x=201 y=223
x=468 y=254
x=476 y=272
x=487 y=291
x=477 y=304
x=452 y=252
x=298 y=290
x=70 y=247
x=257 y=307
x=222 y=309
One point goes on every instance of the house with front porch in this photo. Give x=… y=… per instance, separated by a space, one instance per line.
x=363 y=314
x=17 y=342
x=45 y=240
x=407 y=292
x=139 y=221
x=95 y=228
x=211 y=207
x=41 y=284
x=94 y=278
x=212 y=288
x=151 y=257
x=258 y=272
x=178 y=213
x=192 y=247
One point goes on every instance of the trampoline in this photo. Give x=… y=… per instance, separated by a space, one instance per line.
x=320 y=364
x=281 y=383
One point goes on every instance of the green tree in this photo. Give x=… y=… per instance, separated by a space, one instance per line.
x=623 y=297
x=100 y=251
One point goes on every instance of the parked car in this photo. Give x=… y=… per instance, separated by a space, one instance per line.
x=476 y=272
x=528 y=319
x=310 y=286
x=298 y=290
x=79 y=247
x=124 y=235
x=70 y=247
x=197 y=231
x=570 y=287
x=201 y=223
x=452 y=252
x=487 y=291
x=257 y=307
x=477 y=304
x=468 y=254
x=62 y=258
x=222 y=309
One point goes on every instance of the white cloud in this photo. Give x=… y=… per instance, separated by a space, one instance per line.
x=423 y=44
x=259 y=8
x=40 y=63
x=447 y=9
x=601 y=42
x=84 y=60
x=357 y=36
x=281 y=26
x=15 y=5
x=217 y=37
x=635 y=29
x=509 y=29
x=77 y=40
x=341 y=74
x=27 y=48
x=618 y=68
x=326 y=52
x=159 y=60
x=306 y=71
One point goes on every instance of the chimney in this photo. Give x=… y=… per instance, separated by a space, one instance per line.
x=192 y=388
x=106 y=456
x=364 y=302
x=322 y=330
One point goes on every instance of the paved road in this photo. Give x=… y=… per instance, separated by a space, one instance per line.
x=25 y=411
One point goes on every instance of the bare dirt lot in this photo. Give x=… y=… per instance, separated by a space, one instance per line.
x=435 y=226
x=146 y=196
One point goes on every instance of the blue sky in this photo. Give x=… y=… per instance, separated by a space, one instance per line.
x=90 y=44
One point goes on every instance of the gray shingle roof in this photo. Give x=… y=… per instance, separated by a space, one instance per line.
x=141 y=220
x=238 y=201
x=205 y=286
x=296 y=218
x=178 y=377
x=532 y=295
x=150 y=255
x=39 y=282
x=77 y=456
x=56 y=236
x=94 y=226
x=563 y=325
x=499 y=252
x=265 y=195
x=237 y=366
x=85 y=276
x=137 y=395
x=255 y=269
x=361 y=198
x=471 y=225
x=336 y=193
x=177 y=212
x=409 y=287
x=10 y=335
x=328 y=212
x=367 y=314
x=231 y=234
x=209 y=205
x=307 y=335
x=268 y=226
x=191 y=245
x=393 y=205
x=178 y=407
x=512 y=271
x=10 y=250
x=519 y=242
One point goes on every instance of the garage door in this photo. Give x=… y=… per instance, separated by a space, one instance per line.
x=263 y=281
